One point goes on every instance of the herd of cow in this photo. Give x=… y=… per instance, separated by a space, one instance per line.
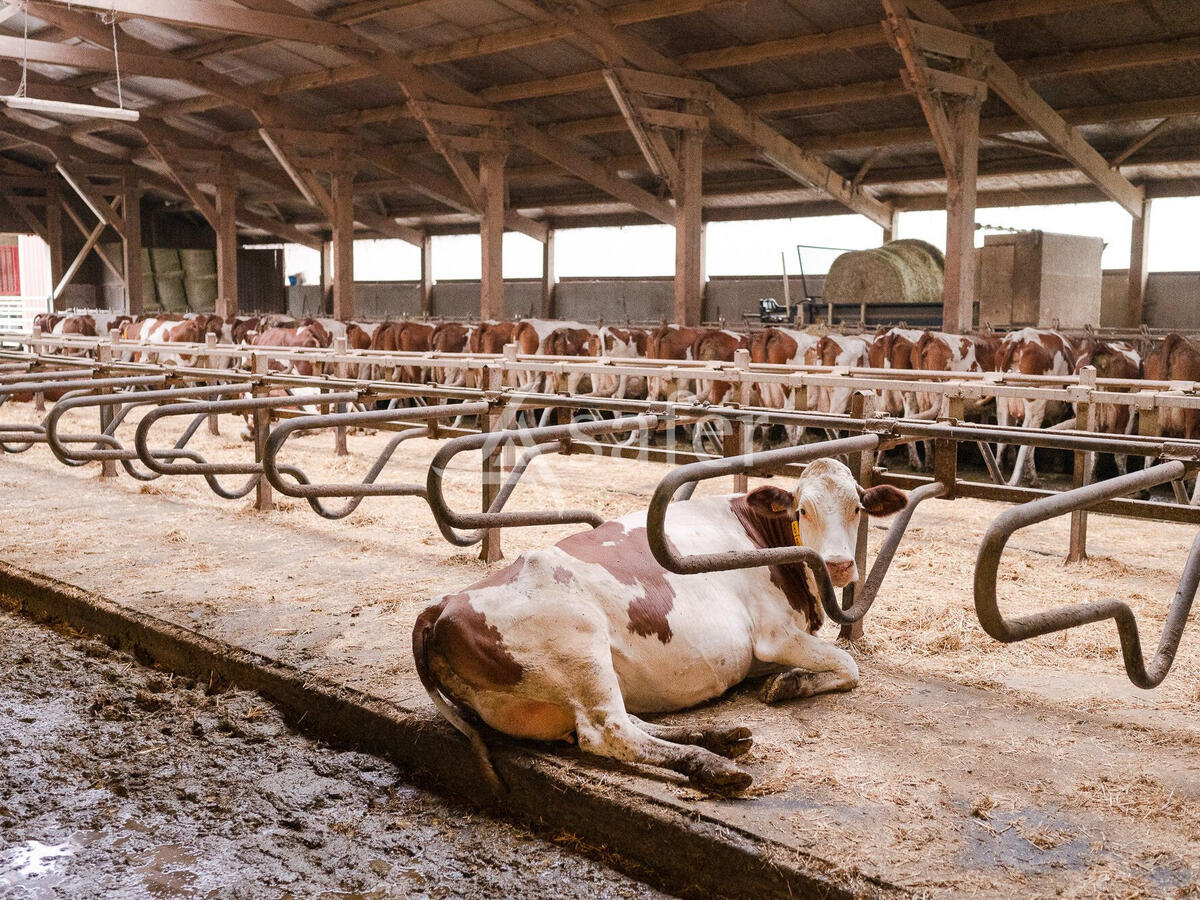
x=1028 y=351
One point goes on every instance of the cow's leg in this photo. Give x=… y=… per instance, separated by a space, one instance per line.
x=818 y=667
x=1001 y=422
x=728 y=742
x=612 y=732
x=914 y=458
x=1035 y=412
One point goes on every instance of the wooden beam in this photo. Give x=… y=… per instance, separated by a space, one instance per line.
x=343 y=244
x=689 y=231
x=92 y=198
x=227 y=19
x=549 y=279
x=958 y=291
x=73 y=268
x=131 y=207
x=427 y=275
x=1136 y=145
x=651 y=144
x=54 y=228
x=491 y=233
x=1139 y=271
x=280 y=229
x=225 y=212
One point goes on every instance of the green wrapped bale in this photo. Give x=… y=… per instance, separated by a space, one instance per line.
x=168 y=280
x=200 y=279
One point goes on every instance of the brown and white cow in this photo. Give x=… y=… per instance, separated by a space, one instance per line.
x=717 y=345
x=847 y=351
x=618 y=343
x=490 y=337
x=403 y=337
x=450 y=337
x=1031 y=351
x=310 y=335
x=575 y=640
x=671 y=342
x=1112 y=359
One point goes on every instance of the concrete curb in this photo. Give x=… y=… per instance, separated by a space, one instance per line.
x=687 y=852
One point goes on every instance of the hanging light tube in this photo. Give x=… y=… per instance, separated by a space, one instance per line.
x=61 y=108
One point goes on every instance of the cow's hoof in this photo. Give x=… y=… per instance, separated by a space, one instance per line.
x=722 y=781
x=728 y=742
x=786 y=686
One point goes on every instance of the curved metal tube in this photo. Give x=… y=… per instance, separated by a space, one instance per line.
x=762 y=461
x=160 y=462
x=1035 y=624
x=860 y=601
x=545 y=440
x=302 y=487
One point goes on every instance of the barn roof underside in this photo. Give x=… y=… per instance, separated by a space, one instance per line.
x=403 y=92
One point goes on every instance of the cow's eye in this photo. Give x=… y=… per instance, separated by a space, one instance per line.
x=803 y=511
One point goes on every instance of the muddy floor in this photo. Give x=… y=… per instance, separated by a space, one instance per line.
x=120 y=781
x=959 y=765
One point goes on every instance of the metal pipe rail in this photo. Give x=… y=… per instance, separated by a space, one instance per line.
x=1024 y=627
x=302 y=487
x=539 y=441
x=769 y=462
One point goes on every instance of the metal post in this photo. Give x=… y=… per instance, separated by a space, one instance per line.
x=210 y=342
x=339 y=434
x=863 y=466
x=261 y=419
x=737 y=441
x=492 y=473
x=1085 y=420
x=108 y=467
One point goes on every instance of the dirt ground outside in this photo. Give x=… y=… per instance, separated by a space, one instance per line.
x=959 y=764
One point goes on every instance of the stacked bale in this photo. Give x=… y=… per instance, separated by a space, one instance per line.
x=200 y=279
x=899 y=272
x=168 y=280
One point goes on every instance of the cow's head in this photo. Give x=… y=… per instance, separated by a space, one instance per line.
x=826 y=505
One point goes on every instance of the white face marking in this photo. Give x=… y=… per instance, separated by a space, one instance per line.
x=828 y=510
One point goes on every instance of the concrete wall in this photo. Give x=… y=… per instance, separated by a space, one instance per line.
x=1172 y=301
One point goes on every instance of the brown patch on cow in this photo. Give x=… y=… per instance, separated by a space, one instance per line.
x=462 y=640
x=883 y=500
x=768 y=528
x=562 y=576
x=626 y=556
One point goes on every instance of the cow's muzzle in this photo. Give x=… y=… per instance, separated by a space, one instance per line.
x=841 y=571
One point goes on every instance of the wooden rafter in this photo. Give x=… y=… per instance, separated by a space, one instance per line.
x=651 y=143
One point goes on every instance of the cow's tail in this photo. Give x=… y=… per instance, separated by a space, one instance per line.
x=446 y=707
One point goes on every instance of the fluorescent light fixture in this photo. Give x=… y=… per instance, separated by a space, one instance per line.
x=80 y=110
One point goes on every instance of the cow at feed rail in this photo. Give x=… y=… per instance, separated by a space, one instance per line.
x=835 y=350
x=669 y=342
x=575 y=640
x=1112 y=359
x=403 y=337
x=940 y=351
x=618 y=343
x=1031 y=351
x=717 y=345
x=450 y=337
x=570 y=341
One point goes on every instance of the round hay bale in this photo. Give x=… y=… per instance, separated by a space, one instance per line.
x=905 y=271
x=168 y=279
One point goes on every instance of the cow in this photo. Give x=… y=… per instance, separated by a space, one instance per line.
x=311 y=335
x=779 y=347
x=490 y=337
x=575 y=640
x=450 y=337
x=571 y=341
x=836 y=350
x=1031 y=351
x=717 y=345
x=1111 y=359
x=402 y=337
x=671 y=342
x=618 y=343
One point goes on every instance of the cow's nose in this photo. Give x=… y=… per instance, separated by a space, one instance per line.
x=841 y=571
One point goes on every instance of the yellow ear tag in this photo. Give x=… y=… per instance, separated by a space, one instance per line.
x=796 y=532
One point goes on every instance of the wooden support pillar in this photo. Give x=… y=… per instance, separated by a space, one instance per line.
x=227 y=246
x=131 y=211
x=342 y=195
x=427 y=275
x=958 y=296
x=689 y=231
x=1135 y=310
x=549 y=279
x=54 y=228
x=326 y=305
x=889 y=231
x=492 y=474
x=491 y=234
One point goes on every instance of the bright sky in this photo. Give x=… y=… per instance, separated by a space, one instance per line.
x=754 y=248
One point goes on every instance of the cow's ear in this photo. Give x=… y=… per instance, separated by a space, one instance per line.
x=769 y=501
x=883 y=500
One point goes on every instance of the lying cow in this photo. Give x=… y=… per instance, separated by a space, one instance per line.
x=572 y=640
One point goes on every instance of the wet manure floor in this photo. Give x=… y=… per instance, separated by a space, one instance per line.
x=117 y=780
